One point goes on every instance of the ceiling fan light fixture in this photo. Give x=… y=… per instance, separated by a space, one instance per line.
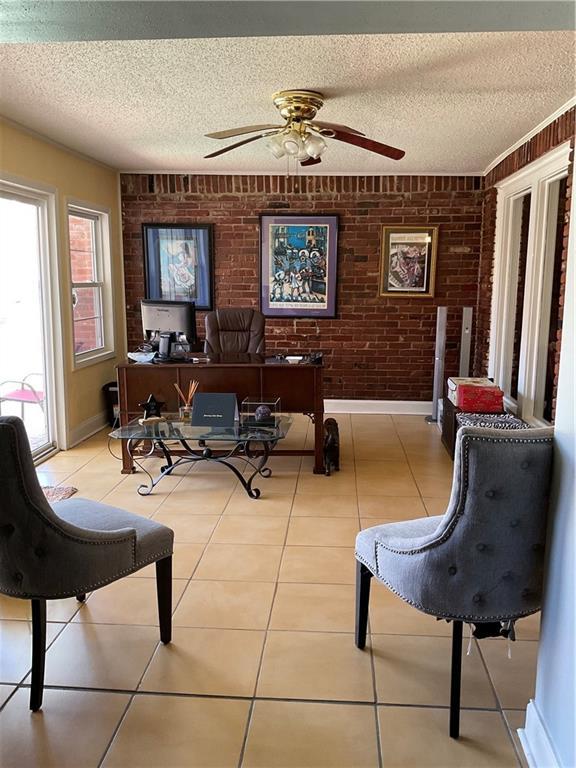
x=292 y=142
x=314 y=145
x=275 y=144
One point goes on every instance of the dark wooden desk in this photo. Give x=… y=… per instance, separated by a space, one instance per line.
x=299 y=387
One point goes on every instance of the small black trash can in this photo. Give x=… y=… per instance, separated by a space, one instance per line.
x=111 y=399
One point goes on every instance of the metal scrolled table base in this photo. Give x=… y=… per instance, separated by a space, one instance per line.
x=244 y=450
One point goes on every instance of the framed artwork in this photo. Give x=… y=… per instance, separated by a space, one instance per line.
x=408 y=261
x=298 y=265
x=178 y=262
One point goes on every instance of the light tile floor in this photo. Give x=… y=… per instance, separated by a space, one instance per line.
x=262 y=670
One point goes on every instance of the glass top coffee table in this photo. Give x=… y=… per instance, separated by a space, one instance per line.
x=250 y=443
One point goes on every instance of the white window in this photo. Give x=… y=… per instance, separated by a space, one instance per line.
x=91 y=284
x=526 y=310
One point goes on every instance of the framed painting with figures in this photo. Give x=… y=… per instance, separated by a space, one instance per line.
x=408 y=261
x=298 y=265
x=178 y=263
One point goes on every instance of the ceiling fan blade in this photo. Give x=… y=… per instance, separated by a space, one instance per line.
x=233 y=146
x=311 y=161
x=337 y=127
x=370 y=145
x=240 y=131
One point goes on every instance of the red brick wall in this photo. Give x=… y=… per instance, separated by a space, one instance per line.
x=553 y=135
x=377 y=348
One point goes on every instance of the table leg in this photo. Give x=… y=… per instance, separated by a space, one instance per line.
x=128 y=467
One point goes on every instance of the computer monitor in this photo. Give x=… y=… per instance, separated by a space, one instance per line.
x=177 y=317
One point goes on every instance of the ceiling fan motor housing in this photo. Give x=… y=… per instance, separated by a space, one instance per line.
x=298 y=105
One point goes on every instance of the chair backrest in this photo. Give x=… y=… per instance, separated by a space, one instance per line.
x=235 y=331
x=31 y=533
x=488 y=555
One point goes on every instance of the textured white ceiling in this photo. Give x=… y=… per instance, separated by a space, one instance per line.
x=452 y=101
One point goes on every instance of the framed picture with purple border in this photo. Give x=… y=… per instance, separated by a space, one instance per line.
x=298 y=265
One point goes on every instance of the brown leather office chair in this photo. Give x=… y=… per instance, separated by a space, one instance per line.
x=235 y=331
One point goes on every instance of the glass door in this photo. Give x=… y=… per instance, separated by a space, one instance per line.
x=23 y=312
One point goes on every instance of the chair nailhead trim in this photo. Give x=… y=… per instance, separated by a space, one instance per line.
x=95 y=585
x=463 y=616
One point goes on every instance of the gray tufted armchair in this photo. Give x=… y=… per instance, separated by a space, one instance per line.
x=482 y=561
x=69 y=549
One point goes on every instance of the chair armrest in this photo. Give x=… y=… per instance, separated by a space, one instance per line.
x=414 y=536
x=90 y=536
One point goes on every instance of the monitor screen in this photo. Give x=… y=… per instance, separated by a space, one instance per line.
x=178 y=317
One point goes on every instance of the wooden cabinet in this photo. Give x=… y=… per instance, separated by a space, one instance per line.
x=449 y=425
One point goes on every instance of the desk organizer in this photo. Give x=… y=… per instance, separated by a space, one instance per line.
x=260 y=412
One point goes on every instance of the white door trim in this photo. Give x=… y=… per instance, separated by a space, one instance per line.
x=46 y=197
x=535 y=179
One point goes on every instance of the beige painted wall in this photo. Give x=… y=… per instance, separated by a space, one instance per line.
x=32 y=159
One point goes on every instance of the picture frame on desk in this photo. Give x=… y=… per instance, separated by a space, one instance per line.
x=179 y=263
x=298 y=265
x=408 y=262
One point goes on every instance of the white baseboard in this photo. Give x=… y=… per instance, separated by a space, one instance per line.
x=536 y=741
x=413 y=407
x=86 y=429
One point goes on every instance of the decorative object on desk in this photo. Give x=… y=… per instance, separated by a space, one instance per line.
x=58 y=492
x=260 y=412
x=408 y=261
x=298 y=265
x=178 y=262
x=141 y=357
x=151 y=407
x=215 y=409
x=151 y=421
x=331 y=446
x=186 y=409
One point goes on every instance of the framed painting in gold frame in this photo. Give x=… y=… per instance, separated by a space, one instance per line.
x=408 y=261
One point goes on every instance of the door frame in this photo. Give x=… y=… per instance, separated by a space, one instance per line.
x=45 y=197
x=536 y=179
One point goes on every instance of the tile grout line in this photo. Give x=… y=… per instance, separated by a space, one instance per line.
x=265 y=640
x=499 y=705
x=405 y=452
x=116 y=729
x=236 y=697
x=136 y=692
x=369 y=632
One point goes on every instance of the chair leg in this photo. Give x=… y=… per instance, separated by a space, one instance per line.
x=455 y=680
x=81 y=598
x=38 y=652
x=363 y=578
x=164 y=591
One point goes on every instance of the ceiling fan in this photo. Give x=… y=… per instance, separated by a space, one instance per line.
x=301 y=136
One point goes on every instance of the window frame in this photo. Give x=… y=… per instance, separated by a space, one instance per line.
x=103 y=274
x=535 y=179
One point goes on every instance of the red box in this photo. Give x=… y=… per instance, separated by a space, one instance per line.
x=474 y=399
